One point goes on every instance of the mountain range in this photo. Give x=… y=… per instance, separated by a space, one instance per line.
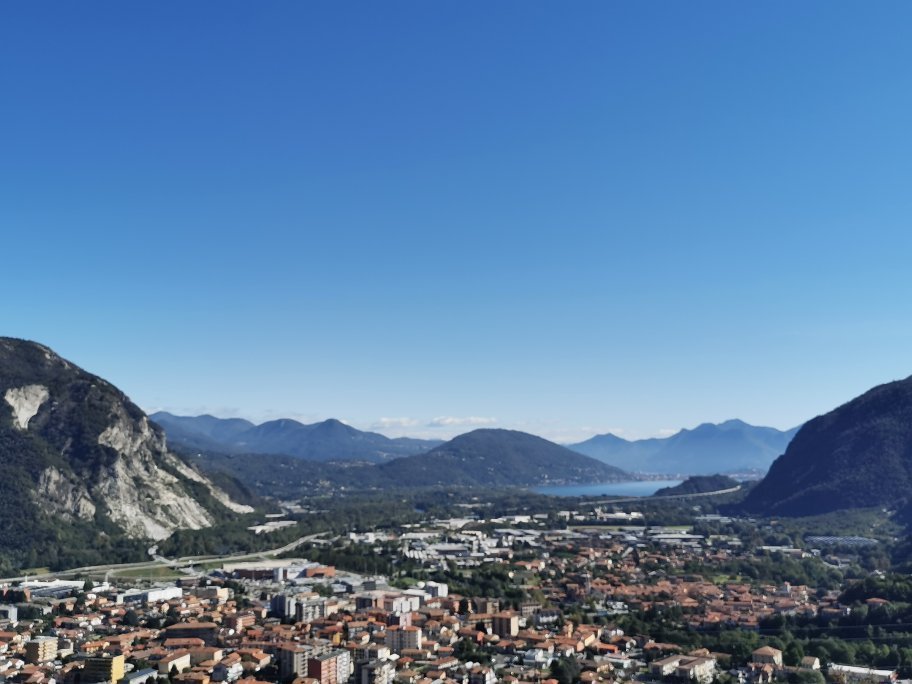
x=733 y=446
x=499 y=458
x=481 y=458
x=329 y=440
x=80 y=462
x=356 y=459
x=730 y=447
x=858 y=455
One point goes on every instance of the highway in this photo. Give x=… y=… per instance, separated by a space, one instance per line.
x=159 y=561
x=653 y=498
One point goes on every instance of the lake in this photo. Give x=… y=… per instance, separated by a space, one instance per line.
x=640 y=488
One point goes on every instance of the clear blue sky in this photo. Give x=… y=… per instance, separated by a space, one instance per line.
x=563 y=217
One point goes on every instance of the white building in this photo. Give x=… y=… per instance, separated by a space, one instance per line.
x=852 y=673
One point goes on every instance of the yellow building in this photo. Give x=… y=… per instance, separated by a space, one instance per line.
x=103 y=669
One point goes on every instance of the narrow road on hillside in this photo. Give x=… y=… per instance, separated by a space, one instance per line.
x=651 y=497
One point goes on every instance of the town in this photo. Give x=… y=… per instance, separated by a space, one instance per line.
x=456 y=342
x=590 y=595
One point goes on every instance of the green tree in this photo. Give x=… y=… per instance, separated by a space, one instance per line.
x=806 y=677
x=565 y=670
x=793 y=653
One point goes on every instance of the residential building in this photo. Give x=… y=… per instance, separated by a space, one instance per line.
x=41 y=649
x=767 y=655
x=8 y=612
x=810 y=663
x=177 y=662
x=376 y=672
x=505 y=624
x=700 y=670
x=293 y=657
x=282 y=606
x=293 y=660
x=308 y=611
x=333 y=667
x=437 y=589
x=487 y=605
x=400 y=638
x=370 y=652
x=482 y=675
x=240 y=622
x=103 y=669
x=217 y=594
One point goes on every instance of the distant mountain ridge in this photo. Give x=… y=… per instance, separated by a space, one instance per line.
x=483 y=458
x=494 y=457
x=731 y=446
x=858 y=455
x=329 y=440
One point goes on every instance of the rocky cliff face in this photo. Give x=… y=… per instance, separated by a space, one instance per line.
x=85 y=453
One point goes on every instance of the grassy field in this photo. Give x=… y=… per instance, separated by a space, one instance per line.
x=159 y=573
x=208 y=565
x=725 y=579
x=410 y=581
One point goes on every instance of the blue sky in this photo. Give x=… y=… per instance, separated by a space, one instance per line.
x=419 y=217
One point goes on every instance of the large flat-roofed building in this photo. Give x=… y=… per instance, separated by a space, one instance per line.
x=853 y=674
x=141 y=677
x=153 y=595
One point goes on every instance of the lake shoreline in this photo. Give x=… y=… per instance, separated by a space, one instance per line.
x=622 y=489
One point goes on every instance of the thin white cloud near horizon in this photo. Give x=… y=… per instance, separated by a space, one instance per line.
x=456 y=421
x=390 y=423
